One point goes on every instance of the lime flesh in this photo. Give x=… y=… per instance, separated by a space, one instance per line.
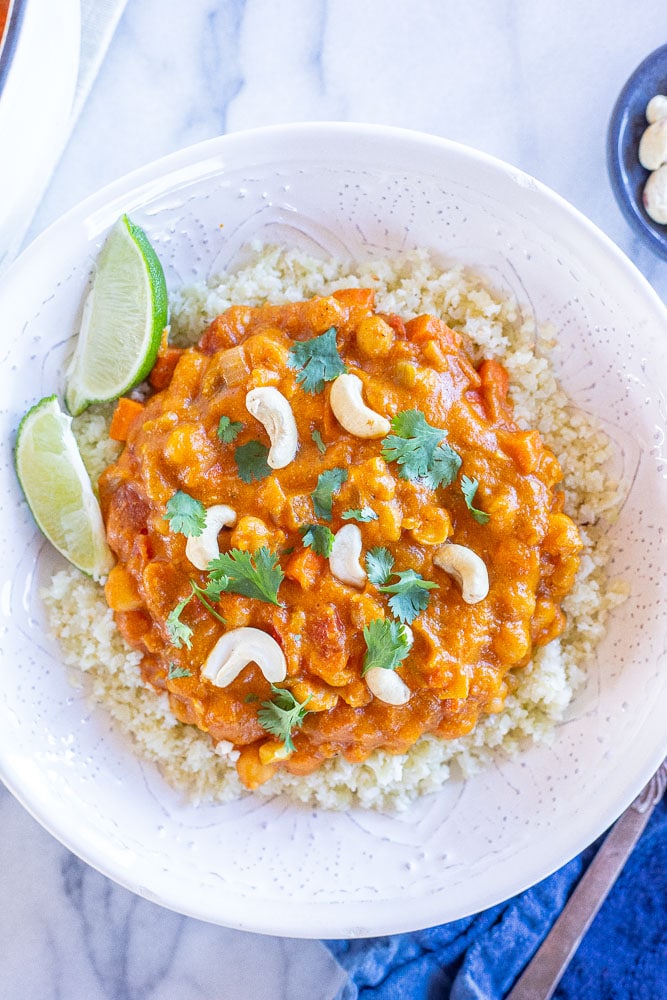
x=123 y=320
x=58 y=490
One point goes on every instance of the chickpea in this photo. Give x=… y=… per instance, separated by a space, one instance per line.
x=375 y=337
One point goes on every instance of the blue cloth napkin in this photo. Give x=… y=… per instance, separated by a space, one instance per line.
x=623 y=956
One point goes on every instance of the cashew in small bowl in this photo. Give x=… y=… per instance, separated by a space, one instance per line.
x=351 y=412
x=345 y=554
x=467 y=568
x=200 y=549
x=387 y=686
x=271 y=408
x=655 y=195
x=237 y=648
x=656 y=108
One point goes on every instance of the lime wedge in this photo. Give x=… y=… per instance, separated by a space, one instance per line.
x=123 y=319
x=58 y=490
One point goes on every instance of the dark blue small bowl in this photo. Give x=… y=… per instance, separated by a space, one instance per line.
x=627 y=123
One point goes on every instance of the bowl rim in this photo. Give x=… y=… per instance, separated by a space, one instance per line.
x=137 y=184
x=9 y=34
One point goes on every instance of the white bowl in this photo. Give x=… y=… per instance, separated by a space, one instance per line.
x=268 y=865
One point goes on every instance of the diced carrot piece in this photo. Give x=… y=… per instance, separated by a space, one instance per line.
x=304 y=567
x=364 y=297
x=423 y=328
x=495 y=387
x=126 y=412
x=163 y=369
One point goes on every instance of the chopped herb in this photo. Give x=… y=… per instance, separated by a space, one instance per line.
x=176 y=672
x=282 y=714
x=249 y=698
x=317 y=438
x=318 y=360
x=410 y=595
x=469 y=488
x=179 y=633
x=186 y=515
x=288 y=551
x=387 y=643
x=251 y=461
x=213 y=592
x=420 y=450
x=229 y=430
x=257 y=574
x=364 y=514
x=328 y=483
x=379 y=564
x=319 y=538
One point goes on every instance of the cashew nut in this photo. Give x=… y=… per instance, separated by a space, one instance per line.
x=387 y=686
x=237 y=648
x=200 y=549
x=656 y=108
x=352 y=413
x=272 y=409
x=655 y=195
x=344 y=559
x=467 y=568
x=653 y=145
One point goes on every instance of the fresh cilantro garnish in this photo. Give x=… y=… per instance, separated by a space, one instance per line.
x=185 y=514
x=179 y=633
x=328 y=483
x=420 y=450
x=411 y=594
x=319 y=538
x=364 y=514
x=251 y=461
x=212 y=592
x=469 y=488
x=229 y=430
x=318 y=360
x=282 y=714
x=249 y=698
x=387 y=643
x=256 y=574
x=379 y=563
x=317 y=438
x=175 y=672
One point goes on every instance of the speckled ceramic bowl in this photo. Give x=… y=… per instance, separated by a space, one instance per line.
x=269 y=865
x=626 y=125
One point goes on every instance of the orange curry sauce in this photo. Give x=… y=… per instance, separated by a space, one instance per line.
x=459 y=663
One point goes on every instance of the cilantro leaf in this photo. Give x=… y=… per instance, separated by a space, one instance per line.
x=379 y=563
x=282 y=714
x=469 y=488
x=417 y=447
x=186 y=515
x=175 y=672
x=229 y=430
x=411 y=595
x=179 y=633
x=318 y=360
x=319 y=538
x=256 y=574
x=362 y=514
x=213 y=592
x=328 y=483
x=251 y=461
x=317 y=438
x=387 y=643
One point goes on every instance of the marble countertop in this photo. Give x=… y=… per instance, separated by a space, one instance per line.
x=525 y=81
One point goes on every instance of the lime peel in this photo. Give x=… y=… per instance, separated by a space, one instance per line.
x=58 y=490
x=123 y=320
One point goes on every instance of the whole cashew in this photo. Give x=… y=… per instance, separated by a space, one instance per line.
x=467 y=568
x=344 y=559
x=387 y=686
x=351 y=412
x=200 y=549
x=656 y=108
x=653 y=145
x=272 y=409
x=655 y=195
x=237 y=648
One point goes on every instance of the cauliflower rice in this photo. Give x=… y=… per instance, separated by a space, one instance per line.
x=80 y=619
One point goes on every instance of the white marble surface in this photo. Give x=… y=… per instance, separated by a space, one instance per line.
x=533 y=83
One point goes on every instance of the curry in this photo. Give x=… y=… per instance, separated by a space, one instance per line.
x=443 y=468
